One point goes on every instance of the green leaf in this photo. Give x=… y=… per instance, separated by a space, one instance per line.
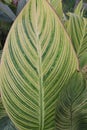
x=82 y=52
x=38 y=59
x=2 y=110
x=6 y=124
x=77 y=29
x=54 y=3
x=57 y=5
x=72 y=105
x=7 y=11
x=79 y=9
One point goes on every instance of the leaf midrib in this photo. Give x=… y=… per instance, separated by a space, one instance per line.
x=71 y=116
x=40 y=73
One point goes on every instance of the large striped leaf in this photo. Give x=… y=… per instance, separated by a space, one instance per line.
x=77 y=29
x=72 y=105
x=2 y=110
x=5 y=122
x=37 y=61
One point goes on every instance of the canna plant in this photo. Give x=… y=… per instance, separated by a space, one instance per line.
x=43 y=70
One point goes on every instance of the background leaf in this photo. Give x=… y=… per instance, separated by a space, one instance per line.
x=4 y=17
x=77 y=29
x=8 y=1
x=6 y=10
x=57 y=5
x=21 y=4
x=78 y=10
x=38 y=59
x=72 y=105
x=6 y=124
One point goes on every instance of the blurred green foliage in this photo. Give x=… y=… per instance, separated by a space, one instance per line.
x=68 y=5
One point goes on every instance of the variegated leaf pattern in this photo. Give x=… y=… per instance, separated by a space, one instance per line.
x=5 y=122
x=57 y=5
x=72 y=105
x=2 y=110
x=54 y=3
x=77 y=29
x=79 y=9
x=37 y=60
